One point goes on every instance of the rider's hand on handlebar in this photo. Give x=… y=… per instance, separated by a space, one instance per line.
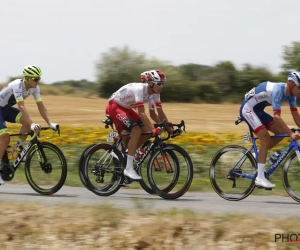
x=156 y=131
x=35 y=127
x=295 y=136
x=54 y=126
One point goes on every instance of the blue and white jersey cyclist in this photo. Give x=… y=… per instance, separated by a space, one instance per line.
x=16 y=92
x=252 y=111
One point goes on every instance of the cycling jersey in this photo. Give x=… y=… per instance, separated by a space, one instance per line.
x=15 y=92
x=134 y=95
x=265 y=94
x=270 y=93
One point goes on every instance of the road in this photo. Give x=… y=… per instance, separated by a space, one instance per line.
x=271 y=206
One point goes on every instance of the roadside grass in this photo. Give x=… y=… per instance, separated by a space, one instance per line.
x=39 y=226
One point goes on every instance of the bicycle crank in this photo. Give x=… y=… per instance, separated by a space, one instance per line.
x=7 y=172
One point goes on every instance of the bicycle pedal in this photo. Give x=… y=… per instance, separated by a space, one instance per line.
x=157 y=169
x=269 y=189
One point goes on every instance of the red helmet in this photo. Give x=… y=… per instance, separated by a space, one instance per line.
x=153 y=76
x=144 y=76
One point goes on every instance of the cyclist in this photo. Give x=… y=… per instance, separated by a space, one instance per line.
x=252 y=111
x=121 y=107
x=160 y=116
x=16 y=92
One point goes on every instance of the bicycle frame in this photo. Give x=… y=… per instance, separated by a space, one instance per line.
x=33 y=142
x=157 y=141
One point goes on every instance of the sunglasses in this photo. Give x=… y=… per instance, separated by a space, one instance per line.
x=37 y=79
x=159 y=83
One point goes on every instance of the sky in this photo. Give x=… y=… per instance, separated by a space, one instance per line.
x=67 y=37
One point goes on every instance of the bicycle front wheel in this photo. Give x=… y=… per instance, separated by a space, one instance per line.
x=291 y=176
x=232 y=173
x=80 y=164
x=170 y=171
x=157 y=166
x=45 y=168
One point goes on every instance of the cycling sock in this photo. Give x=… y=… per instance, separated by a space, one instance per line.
x=129 y=164
x=260 y=170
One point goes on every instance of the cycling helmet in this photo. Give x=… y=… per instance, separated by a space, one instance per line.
x=294 y=76
x=155 y=76
x=144 y=76
x=32 y=71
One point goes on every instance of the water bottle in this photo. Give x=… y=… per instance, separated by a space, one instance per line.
x=274 y=157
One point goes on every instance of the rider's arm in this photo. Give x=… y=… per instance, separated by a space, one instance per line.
x=43 y=111
x=296 y=117
x=294 y=110
x=144 y=118
x=281 y=124
x=276 y=105
x=162 y=116
x=154 y=116
x=17 y=92
x=41 y=107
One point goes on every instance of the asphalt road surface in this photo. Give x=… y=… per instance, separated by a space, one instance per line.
x=271 y=206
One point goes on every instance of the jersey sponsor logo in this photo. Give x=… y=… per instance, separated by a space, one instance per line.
x=260 y=97
x=249 y=113
x=126 y=97
x=123 y=119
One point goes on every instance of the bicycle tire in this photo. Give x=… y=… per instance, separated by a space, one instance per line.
x=80 y=163
x=48 y=168
x=148 y=188
x=165 y=192
x=287 y=176
x=115 y=181
x=218 y=190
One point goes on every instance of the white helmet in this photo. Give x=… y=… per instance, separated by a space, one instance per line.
x=156 y=76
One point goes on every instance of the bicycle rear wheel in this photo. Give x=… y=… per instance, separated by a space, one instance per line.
x=226 y=167
x=291 y=176
x=45 y=168
x=170 y=172
x=103 y=168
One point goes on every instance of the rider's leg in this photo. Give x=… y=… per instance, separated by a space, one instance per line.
x=265 y=141
x=274 y=128
x=132 y=147
x=24 y=128
x=122 y=117
x=258 y=120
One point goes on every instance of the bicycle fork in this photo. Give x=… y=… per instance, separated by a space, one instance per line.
x=166 y=162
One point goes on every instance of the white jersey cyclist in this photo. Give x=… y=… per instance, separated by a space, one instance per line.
x=134 y=95
x=15 y=92
x=265 y=94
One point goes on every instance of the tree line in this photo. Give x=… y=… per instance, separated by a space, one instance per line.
x=185 y=83
x=190 y=82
